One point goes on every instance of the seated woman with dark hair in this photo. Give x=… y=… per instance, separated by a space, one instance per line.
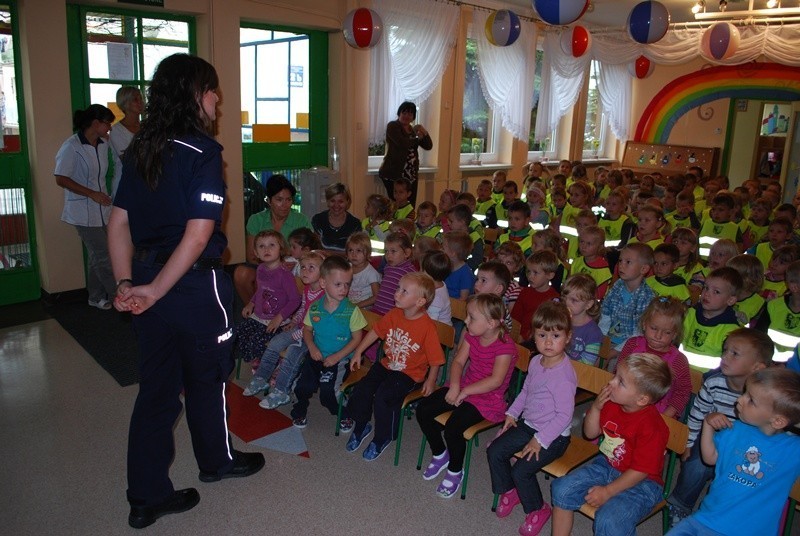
x=278 y=216
x=336 y=224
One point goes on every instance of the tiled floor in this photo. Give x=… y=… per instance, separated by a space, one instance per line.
x=64 y=427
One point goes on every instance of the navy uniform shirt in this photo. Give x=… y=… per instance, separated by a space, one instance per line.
x=190 y=187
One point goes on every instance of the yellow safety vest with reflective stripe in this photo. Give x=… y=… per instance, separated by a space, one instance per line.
x=748 y=308
x=476 y=230
x=675 y=221
x=654 y=243
x=702 y=345
x=613 y=230
x=774 y=289
x=524 y=238
x=710 y=232
x=481 y=207
x=572 y=248
x=403 y=212
x=680 y=291
x=784 y=329
x=757 y=232
x=433 y=231
x=764 y=253
x=501 y=213
x=600 y=275
x=376 y=239
x=497 y=197
x=569 y=215
x=698 y=192
x=688 y=272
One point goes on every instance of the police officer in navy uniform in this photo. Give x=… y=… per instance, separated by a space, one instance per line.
x=166 y=251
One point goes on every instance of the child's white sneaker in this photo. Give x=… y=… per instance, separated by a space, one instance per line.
x=274 y=399
x=256 y=385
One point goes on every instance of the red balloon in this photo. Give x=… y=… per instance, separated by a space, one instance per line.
x=362 y=28
x=576 y=41
x=641 y=67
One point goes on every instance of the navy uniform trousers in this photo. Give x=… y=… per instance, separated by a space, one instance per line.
x=185 y=343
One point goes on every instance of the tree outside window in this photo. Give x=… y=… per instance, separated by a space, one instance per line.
x=477 y=116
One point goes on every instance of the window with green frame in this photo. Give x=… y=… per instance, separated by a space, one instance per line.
x=284 y=79
x=19 y=271
x=110 y=48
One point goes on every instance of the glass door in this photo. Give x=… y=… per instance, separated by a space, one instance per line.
x=19 y=272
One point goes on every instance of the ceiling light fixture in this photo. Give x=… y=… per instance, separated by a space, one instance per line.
x=770 y=10
x=699 y=6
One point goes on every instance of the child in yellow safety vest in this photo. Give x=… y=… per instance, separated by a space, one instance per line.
x=665 y=282
x=719 y=224
x=750 y=303
x=708 y=323
x=781 y=318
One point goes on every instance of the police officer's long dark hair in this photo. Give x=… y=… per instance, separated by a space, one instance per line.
x=173 y=111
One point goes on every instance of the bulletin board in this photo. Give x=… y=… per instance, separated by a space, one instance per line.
x=669 y=159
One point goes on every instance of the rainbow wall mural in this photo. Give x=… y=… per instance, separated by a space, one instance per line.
x=762 y=81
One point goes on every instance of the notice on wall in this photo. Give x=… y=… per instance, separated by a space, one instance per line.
x=120 y=61
x=296 y=75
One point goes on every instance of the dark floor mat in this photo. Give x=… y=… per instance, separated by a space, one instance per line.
x=107 y=336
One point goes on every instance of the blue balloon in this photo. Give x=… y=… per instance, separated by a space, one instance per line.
x=503 y=28
x=560 y=12
x=648 y=22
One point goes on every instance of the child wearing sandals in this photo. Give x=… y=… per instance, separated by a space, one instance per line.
x=473 y=395
x=290 y=340
x=537 y=422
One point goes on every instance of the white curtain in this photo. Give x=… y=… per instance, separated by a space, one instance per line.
x=562 y=80
x=507 y=75
x=562 y=75
x=417 y=43
x=615 y=97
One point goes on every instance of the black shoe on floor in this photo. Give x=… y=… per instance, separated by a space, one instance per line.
x=180 y=501
x=244 y=464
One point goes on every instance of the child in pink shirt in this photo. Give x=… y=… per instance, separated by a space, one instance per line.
x=473 y=395
x=662 y=325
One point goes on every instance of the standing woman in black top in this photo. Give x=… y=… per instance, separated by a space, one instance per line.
x=166 y=251
x=402 y=156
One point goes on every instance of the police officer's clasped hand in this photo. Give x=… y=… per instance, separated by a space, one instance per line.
x=135 y=299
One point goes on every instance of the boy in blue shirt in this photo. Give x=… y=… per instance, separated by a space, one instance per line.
x=628 y=297
x=756 y=461
x=745 y=352
x=332 y=332
x=458 y=245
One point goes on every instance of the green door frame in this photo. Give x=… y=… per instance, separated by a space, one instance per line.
x=19 y=284
x=314 y=152
x=79 y=56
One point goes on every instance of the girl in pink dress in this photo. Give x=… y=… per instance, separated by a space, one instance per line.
x=475 y=393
